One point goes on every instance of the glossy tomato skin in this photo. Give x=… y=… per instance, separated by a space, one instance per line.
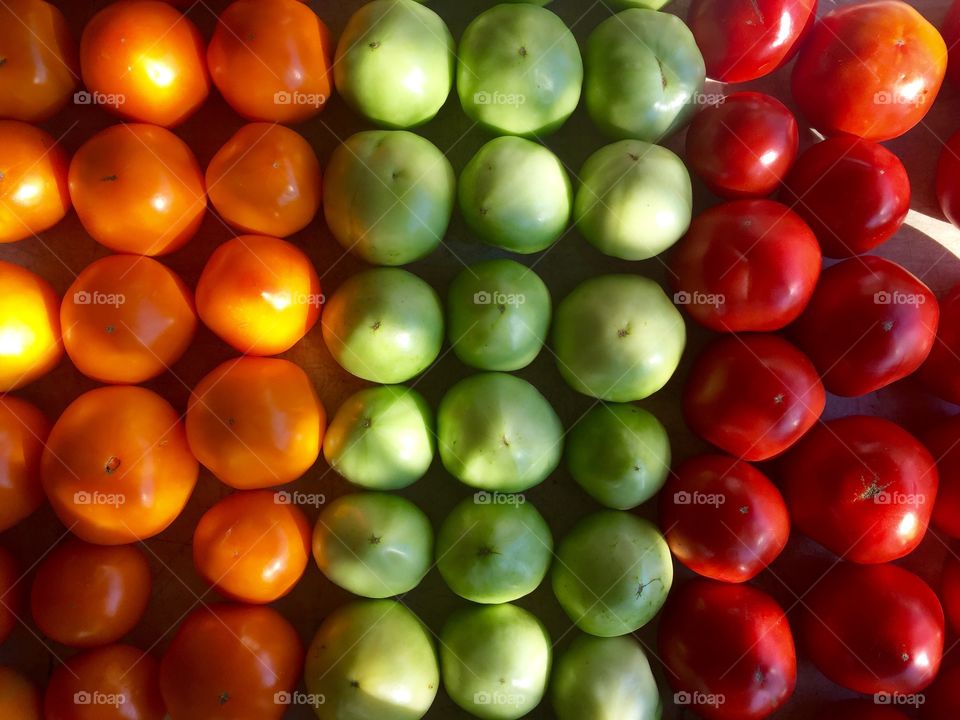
x=29 y=327
x=873 y=629
x=870 y=69
x=11 y=592
x=943 y=442
x=19 y=698
x=728 y=647
x=723 y=518
x=948 y=180
x=120 y=679
x=117 y=467
x=23 y=431
x=746 y=266
x=145 y=61
x=869 y=323
x=227 y=662
x=87 y=595
x=862 y=487
x=138 y=189
x=859 y=710
x=853 y=193
x=744 y=146
x=752 y=396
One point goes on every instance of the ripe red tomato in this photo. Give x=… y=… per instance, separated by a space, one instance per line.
x=940 y=373
x=88 y=595
x=951 y=35
x=30 y=344
x=23 y=431
x=854 y=194
x=873 y=629
x=742 y=40
x=949 y=591
x=871 y=69
x=19 y=698
x=948 y=180
x=943 y=442
x=144 y=60
x=869 y=324
x=723 y=518
x=859 y=710
x=752 y=396
x=744 y=146
x=11 y=593
x=227 y=662
x=941 y=699
x=728 y=650
x=746 y=266
x=862 y=487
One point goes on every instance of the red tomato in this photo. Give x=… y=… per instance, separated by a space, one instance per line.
x=11 y=593
x=862 y=487
x=943 y=441
x=745 y=39
x=873 y=629
x=723 y=518
x=859 y=710
x=950 y=591
x=948 y=180
x=752 y=396
x=744 y=146
x=19 y=698
x=746 y=266
x=23 y=431
x=869 y=324
x=728 y=650
x=940 y=373
x=30 y=343
x=941 y=699
x=951 y=35
x=854 y=194
x=227 y=662
x=871 y=69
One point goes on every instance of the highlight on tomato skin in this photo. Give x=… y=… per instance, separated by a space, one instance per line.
x=30 y=342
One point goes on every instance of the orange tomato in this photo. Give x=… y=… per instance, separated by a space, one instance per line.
x=265 y=179
x=252 y=546
x=19 y=698
x=270 y=59
x=117 y=467
x=259 y=294
x=256 y=422
x=138 y=189
x=86 y=595
x=40 y=69
x=30 y=344
x=228 y=662
x=23 y=431
x=126 y=319
x=144 y=60
x=11 y=593
x=33 y=181
x=115 y=682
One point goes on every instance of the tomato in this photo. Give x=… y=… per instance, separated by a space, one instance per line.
x=744 y=146
x=859 y=710
x=138 y=189
x=39 y=60
x=745 y=39
x=23 y=431
x=723 y=518
x=265 y=179
x=873 y=629
x=752 y=396
x=19 y=698
x=252 y=546
x=144 y=60
x=948 y=180
x=940 y=372
x=30 y=344
x=943 y=442
x=11 y=593
x=87 y=595
x=871 y=69
x=728 y=650
x=259 y=294
x=115 y=682
x=227 y=662
x=949 y=591
x=862 y=487
x=270 y=59
x=951 y=35
x=117 y=467
x=746 y=266
x=256 y=422
x=869 y=324
x=33 y=181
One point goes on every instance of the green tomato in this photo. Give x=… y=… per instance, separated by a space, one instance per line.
x=520 y=70
x=497 y=432
x=395 y=62
x=372 y=659
x=388 y=196
x=494 y=548
x=384 y=325
x=629 y=185
x=644 y=74
x=618 y=338
x=605 y=679
x=495 y=661
x=619 y=454
x=373 y=544
x=381 y=438
x=498 y=314
x=613 y=573
x=515 y=194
